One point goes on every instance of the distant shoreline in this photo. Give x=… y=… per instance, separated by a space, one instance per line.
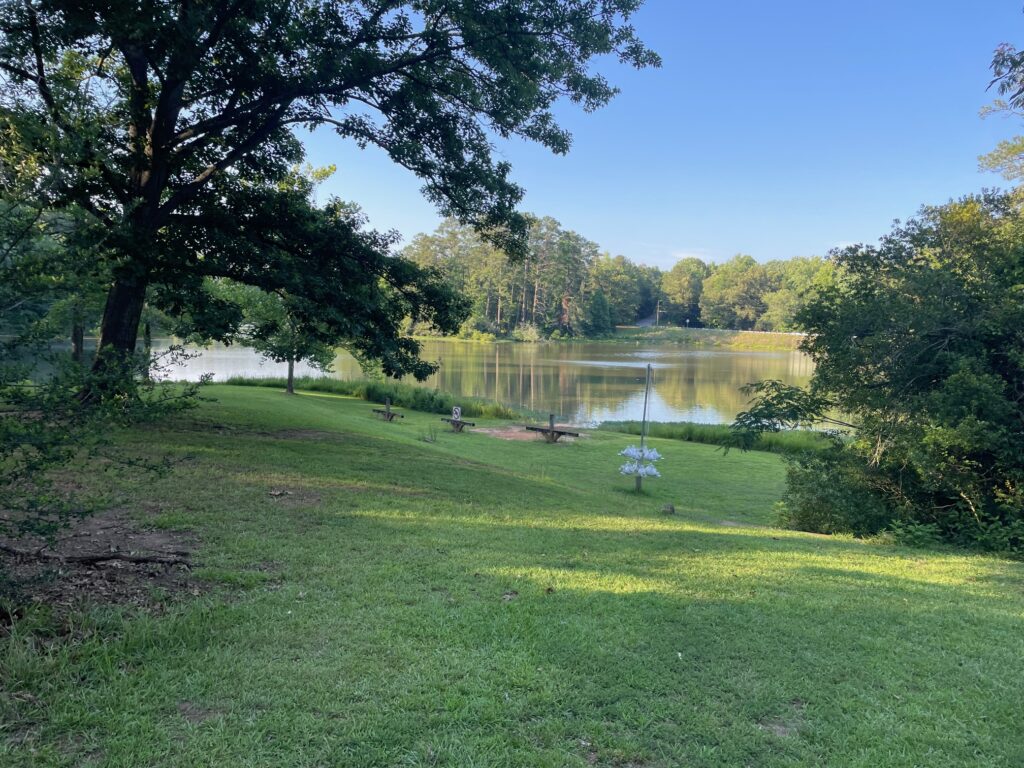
x=687 y=338
x=690 y=338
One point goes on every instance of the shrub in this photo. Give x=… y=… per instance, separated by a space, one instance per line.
x=830 y=491
x=527 y=332
x=915 y=534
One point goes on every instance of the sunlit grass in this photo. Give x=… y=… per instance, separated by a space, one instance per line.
x=477 y=602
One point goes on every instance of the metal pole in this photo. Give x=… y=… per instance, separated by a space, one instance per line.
x=643 y=423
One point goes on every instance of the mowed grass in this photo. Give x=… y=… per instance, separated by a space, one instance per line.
x=478 y=602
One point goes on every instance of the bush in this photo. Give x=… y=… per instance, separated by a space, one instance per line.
x=527 y=332
x=831 y=492
x=478 y=329
x=401 y=394
x=915 y=534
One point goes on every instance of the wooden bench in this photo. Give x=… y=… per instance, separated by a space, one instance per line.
x=386 y=413
x=551 y=434
x=458 y=424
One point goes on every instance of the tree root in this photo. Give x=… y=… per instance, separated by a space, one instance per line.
x=126 y=557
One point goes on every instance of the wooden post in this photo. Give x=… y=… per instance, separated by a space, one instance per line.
x=387 y=409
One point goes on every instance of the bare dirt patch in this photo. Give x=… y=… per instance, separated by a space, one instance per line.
x=520 y=433
x=778 y=727
x=787 y=726
x=106 y=558
x=295 y=497
x=195 y=713
x=303 y=434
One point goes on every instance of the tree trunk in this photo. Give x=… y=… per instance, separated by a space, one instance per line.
x=290 y=389
x=119 y=330
x=147 y=346
x=526 y=284
x=77 y=335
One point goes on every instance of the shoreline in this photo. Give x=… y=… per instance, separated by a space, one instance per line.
x=690 y=338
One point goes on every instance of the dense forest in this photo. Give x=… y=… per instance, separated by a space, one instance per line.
x=567 y=286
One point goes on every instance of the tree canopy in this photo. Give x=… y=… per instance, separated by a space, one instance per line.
x=170 y=126
x=920 y=343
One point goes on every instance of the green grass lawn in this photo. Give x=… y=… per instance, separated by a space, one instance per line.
x=480 y=602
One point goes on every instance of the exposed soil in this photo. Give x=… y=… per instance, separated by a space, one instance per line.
x=520 y=433
x=195 y=713
x=295 y=497
x=106 y=558
x=313 y=435
x=788 y=725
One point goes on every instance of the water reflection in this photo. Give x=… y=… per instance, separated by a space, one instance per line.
x=582 y=383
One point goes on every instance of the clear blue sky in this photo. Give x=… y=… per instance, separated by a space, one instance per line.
x=774 y=129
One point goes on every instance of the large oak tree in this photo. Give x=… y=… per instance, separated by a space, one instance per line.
x=171 y=123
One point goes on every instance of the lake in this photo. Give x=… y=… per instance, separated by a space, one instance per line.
x=582 y=383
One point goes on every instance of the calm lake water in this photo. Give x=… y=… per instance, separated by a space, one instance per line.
x=581 y=383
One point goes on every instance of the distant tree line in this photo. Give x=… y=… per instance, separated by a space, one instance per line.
x=566 y=286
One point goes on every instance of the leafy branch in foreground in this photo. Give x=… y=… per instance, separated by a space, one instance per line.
x=777 y=406
x=45 y=427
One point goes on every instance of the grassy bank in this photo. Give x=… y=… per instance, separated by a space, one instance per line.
x=718 y=434
x=401 y=394
x=374 y=599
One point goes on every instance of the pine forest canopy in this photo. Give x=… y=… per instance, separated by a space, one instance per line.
x=166 y=129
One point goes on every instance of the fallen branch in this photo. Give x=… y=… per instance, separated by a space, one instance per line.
x=127 y=557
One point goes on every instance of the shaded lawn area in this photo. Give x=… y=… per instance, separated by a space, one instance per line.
x=378 y=600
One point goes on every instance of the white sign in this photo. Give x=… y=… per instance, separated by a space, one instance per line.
x=456 y=413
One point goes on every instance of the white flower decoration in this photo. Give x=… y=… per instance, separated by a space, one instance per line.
x=639 y=462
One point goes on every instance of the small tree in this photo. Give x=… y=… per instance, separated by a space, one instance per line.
x=599 y=316
x=274 y=326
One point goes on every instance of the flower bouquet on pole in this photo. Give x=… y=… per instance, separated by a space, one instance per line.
x=640 y=461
